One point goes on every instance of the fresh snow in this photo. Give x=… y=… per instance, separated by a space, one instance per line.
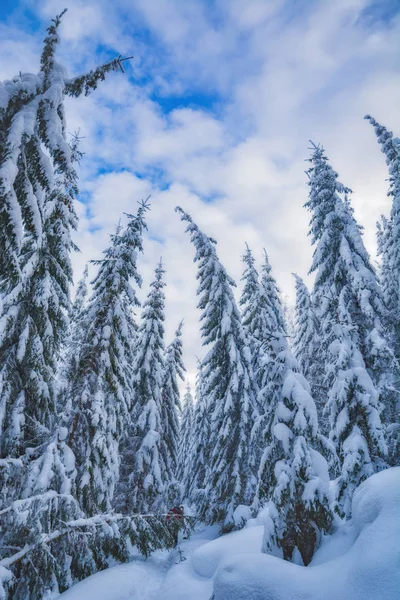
x=137 y=579
x=208 y=558
x=360 y=561
x=161 y=577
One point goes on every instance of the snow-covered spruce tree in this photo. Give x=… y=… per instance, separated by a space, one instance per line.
x=262 y=312
x=306 y=345
x=194 y=468
x=293 y=475
x=32 y=118
x=46 y=503
x=101 y=388
x=272 y=335
x=228 y=384
x=270 y=301
x=358 y=361
x=390 y=247
x=264 y=323
x=152 y=472
x=384 y=239
x=186 y=427
x=37 y=187
x=253 y=323
x=170 y=411
x=34 y=317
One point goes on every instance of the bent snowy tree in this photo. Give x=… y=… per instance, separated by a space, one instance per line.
x=38 y=185
x=358 y=358
x=228 y=381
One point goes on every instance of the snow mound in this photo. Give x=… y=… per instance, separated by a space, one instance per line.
x=207 y=558
x=360 y=561
x=132 y=581
x=160 y=577
x=241 y=515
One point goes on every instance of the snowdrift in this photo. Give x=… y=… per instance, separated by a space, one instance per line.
x=361 y=561
x=207 y=558
x=132 y=581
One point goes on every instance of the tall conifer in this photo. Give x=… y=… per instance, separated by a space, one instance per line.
x=306 y=345
x=358 y=359
x=228 y=382
x=151 y=474
x=101 y=389
x=171 y=408
x=390 y=247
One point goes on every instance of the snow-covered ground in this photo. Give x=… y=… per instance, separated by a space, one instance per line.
x=360 y=561
x=163 y=576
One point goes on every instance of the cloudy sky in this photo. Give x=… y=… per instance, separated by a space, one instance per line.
x=215 y=113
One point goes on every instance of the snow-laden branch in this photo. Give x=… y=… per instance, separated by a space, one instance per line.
x=75 y=525
x=25 y=502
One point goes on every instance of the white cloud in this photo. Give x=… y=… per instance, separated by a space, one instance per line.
x=279 y=73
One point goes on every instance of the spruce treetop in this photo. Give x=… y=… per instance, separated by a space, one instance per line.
x=270 y=298
x=251 y=289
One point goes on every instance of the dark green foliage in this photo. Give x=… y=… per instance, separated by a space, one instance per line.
x=100 y=391
x=84 y=545
x=228 y=383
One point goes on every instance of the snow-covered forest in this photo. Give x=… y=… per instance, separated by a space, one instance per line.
x=290 y=439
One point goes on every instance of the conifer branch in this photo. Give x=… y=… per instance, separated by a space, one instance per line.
x=24 y=502
x=88 y=82
x=97 y=520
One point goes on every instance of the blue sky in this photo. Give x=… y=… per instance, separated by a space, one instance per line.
x=214 y=113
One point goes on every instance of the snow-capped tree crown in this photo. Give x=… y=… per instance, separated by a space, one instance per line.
x=35 y=157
